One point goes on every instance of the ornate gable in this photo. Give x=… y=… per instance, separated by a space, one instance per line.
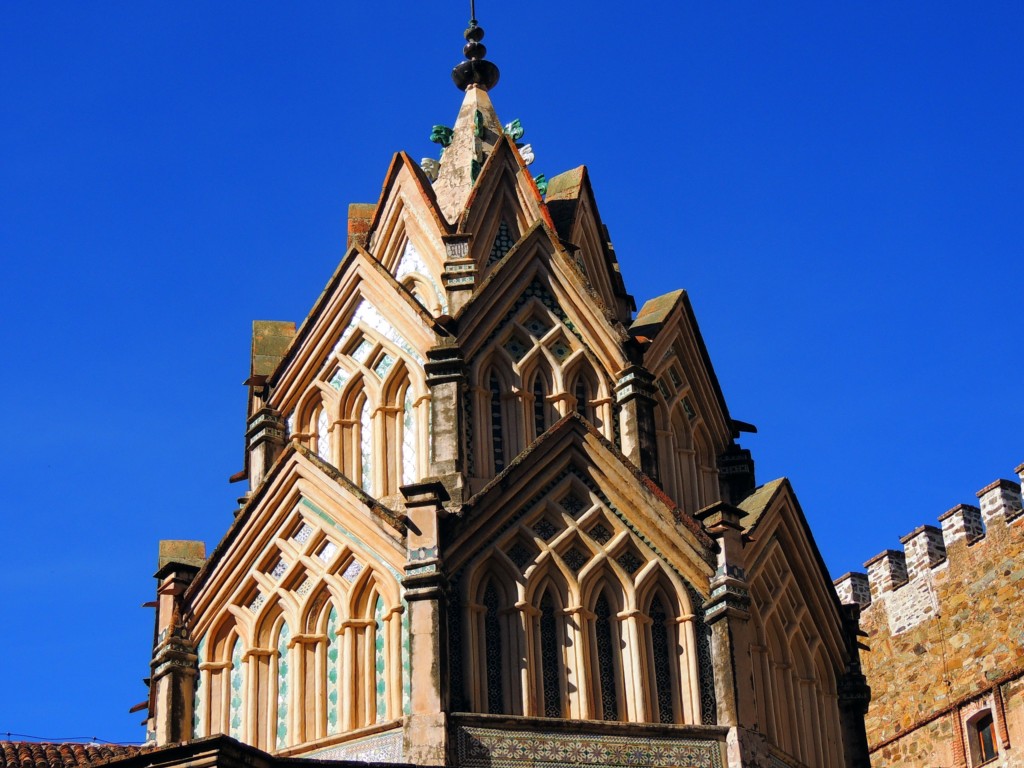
x=797 y=623
x=692 y=418
x=502 y=207
x=406 y=233
x=573 y=209
x=539 y=260
x=573 y=528
x=537 y=347
x=308 y=555
x=351 y=386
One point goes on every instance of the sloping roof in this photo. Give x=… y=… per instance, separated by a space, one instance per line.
x=653 y=316
x=756 y=503
x=33 y=754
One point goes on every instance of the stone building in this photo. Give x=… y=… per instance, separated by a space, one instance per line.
x=495 y=516
x=946 y=638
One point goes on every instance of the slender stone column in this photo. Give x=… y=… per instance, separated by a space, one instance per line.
x=446 y=377
x=727 y=613
x=634 y=392
x=174 y=664
x=426 y=727
x=264 y=436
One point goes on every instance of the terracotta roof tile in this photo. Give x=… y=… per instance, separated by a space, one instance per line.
x=34 y=754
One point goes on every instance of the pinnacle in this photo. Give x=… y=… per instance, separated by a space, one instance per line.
x=476 y=132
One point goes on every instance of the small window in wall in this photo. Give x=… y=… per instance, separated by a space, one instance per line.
x=539 y=406
x=496 y=427
x=494 y=657
x=380 y=661
x=982 y=734
x=549 y=652
x=366 y=448
x=503 y=243
x=607 y=640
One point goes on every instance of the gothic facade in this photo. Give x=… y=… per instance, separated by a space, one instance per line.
x=495 y=516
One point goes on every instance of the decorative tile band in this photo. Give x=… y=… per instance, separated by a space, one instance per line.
x=494 y=748
x=379 y=748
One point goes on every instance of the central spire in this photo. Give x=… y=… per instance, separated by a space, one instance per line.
x=476 y=131
x=476 y=71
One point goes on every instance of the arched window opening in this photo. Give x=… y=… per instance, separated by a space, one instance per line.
x=493 y=651
x=333 y=653
x=661 y=650
x=379 y=661
x=539 y=405
x=983 y=738
x=582 y=398
x=503 y=243
x=200 y=693
x=549 y=651
x=497 y=432
x=323 y=435
x=237 y=690
x=607 y=648
x=409 y=473
x=366 y=448
x=282 y=687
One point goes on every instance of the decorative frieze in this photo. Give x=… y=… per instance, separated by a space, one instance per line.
x=478 y=747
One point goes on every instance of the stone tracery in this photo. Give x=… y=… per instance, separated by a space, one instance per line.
x=576 y=622
x=257 y=673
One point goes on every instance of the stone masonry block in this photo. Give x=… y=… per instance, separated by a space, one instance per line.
x=961 y=522
x=1000 y=500
x=853 y=588
x=924 y=549
x=886 y=571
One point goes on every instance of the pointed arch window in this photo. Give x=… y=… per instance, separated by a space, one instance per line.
x=540 y=404
x=333 y=653
x=582 y=398
x=503 y=243
x=497 y=431
x=237 y=680
x=409 y=474
x=281 y=730
x=607 y=649
x=197 y=705
x=379 y=661
x=550 y=649
x=366 y=448
x=323 y=435
x=493 y=651
x=661 y=649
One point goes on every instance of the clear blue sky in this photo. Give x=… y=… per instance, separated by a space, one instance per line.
x=840 y=187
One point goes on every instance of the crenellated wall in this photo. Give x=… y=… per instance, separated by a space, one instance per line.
x=945 y=628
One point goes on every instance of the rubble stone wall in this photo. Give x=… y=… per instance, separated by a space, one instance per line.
x=945 y=626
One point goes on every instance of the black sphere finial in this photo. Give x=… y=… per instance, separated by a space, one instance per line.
x=476 y=70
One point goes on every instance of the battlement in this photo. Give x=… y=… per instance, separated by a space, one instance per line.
x=928 y=547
